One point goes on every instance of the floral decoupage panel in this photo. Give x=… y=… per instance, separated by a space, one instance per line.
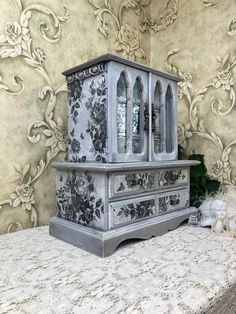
x=81 y=198
x=87 y=124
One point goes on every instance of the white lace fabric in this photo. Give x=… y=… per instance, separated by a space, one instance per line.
x=189 y=270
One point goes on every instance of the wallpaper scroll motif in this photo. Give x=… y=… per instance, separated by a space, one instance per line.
x=211 y=4
x=146 y=19
x=16 y=42
x=127 y=37
x=221 y=169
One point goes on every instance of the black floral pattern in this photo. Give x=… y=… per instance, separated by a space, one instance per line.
x=75 y=146
x=170 y=177
x=137 y=181
x=97 y=127
x=74 y=96
x=139 y=210
x=87 y=119
x=76 y=200
x=166 y=202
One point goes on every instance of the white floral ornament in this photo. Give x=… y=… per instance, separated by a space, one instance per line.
x=224 y=80
x=56 y=135
x=128 y=43
x=39 y=55
x=24 y=196
x=16 y=37
x=217 y=170
x=184 y=85
x=184 y=132
x=16 y=41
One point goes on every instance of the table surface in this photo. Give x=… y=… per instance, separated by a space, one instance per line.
x=188 y=270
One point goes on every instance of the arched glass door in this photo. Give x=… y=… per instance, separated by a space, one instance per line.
x=121 y=115
x=157 y=121
x=169 y=121
x=129 y=98
x=137 y=106
x=164 y=123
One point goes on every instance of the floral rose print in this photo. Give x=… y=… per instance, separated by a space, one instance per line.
x=87 y=115
x=97 y=128
x=78 y=200
x=83 y=185
x=75 y=93
x=134 y=211
x=75 y=146
x=170 y=177
x=74 y=96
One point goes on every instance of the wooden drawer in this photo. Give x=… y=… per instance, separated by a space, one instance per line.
x=172 y=201
x=132 y=210
x=172 y=177
x=135 y=182
x=131 y=182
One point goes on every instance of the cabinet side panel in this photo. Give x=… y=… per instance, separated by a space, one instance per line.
x=81 y=198
x=87 y=116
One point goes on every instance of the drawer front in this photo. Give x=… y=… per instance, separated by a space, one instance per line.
x=132 y=182
x=173 y=200
x=128 y=211
x=172 y=177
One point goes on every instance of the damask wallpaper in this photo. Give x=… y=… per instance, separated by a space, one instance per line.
x=40 y=38
x=200 y=48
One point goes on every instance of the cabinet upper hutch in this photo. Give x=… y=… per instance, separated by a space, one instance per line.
x=121 y=111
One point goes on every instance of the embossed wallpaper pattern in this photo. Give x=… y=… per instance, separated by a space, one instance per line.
x=40 y=38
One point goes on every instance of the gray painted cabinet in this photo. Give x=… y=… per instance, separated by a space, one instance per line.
x=121 y=113
x=122 y=179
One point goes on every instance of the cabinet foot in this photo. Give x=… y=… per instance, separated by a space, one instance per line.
x=104 y=243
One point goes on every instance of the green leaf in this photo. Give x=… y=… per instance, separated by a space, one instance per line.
x=200 y=183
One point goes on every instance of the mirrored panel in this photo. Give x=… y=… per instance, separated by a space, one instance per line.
x=169 y=121
x=136 y=117
x=121 y=114
x=158 y=121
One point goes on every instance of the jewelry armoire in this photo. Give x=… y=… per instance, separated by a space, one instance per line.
x=122 y=179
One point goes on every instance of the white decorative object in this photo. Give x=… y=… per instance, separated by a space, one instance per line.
x=219 y=212
x=231 y=224
x=218 y=225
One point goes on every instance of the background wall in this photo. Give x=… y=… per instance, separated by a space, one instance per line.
x=38 y=40
x=41 y=38
x=200 y=47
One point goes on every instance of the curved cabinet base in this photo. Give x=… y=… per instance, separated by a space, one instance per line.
x=104 y=243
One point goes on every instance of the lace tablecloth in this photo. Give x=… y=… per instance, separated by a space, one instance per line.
x=188 y=270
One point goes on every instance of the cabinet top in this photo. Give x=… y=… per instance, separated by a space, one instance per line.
x=94 y=166
x=110 y=57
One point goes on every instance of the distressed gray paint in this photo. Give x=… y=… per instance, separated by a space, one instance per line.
x=104 y=244
x=105 y=197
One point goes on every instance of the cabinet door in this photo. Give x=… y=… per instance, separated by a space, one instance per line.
x=163 y=112
x=128 y=98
